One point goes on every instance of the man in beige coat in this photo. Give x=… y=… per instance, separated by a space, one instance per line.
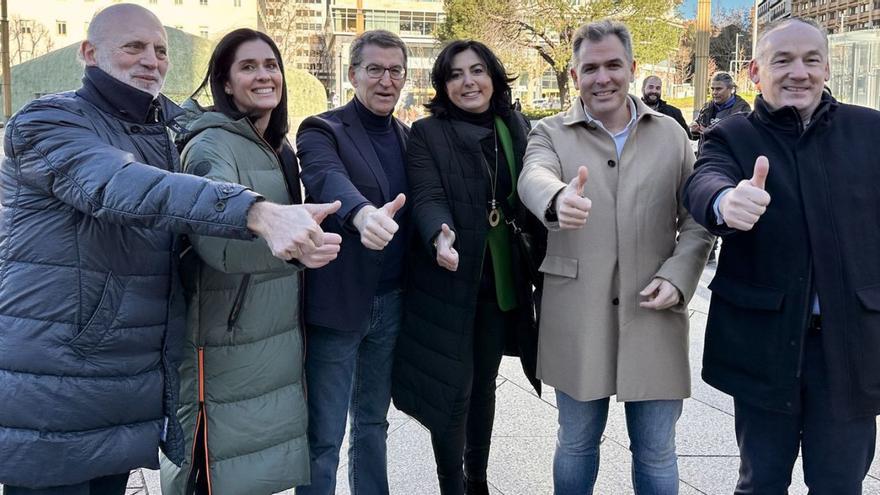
x=623 y=259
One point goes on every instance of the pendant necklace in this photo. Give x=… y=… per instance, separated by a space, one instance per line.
x=494 y=214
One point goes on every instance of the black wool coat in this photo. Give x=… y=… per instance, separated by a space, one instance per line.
x=820 y=234
x=449 y=184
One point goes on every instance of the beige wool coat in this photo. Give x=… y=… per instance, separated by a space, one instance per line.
x=595 y=340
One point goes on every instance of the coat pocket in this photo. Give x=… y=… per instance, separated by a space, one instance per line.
x=868 y=369
x=95 y=330
x=870 y=298
x=746 y=295
x=560 y=266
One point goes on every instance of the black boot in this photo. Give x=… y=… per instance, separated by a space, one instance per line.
x=473 y=487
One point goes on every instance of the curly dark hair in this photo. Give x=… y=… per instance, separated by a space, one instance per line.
x=441 y=73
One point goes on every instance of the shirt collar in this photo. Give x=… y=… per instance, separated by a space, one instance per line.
x=629 y=125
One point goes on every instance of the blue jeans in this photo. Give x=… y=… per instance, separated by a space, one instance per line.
x=651 y=427
x=349 y=371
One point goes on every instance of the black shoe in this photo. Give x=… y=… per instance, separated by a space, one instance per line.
x=476 y=487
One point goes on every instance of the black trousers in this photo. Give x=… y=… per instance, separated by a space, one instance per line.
x=469 y=434
x=836 y=454
x=105 y=485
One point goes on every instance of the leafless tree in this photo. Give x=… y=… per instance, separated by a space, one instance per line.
x=28 y=39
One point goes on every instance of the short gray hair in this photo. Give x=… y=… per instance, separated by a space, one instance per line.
x=597 y=31
x=724 y=77
x=781 y=23
x=378 y=37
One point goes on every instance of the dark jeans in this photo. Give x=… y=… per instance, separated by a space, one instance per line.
x=836 y=453
x=105 y=485
x=469 y=434
x=348 y=372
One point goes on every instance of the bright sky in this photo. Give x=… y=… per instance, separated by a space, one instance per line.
x=689 y=7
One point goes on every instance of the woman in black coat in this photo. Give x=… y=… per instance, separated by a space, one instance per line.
x=470 y=288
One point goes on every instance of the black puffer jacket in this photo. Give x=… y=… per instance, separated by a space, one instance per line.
x=450 y=184
x=90 y=310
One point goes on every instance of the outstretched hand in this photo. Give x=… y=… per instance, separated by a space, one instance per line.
x=447 y=256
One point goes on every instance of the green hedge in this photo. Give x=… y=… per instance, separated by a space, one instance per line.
x=539 y=113
x=688 y=102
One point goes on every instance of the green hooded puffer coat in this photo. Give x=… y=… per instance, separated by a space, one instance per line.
x=244 y=354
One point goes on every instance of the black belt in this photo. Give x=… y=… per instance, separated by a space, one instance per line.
x=815 y=323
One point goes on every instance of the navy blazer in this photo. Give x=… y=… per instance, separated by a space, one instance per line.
x=338 y=162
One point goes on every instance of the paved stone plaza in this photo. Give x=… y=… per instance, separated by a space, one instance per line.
x=524 y=438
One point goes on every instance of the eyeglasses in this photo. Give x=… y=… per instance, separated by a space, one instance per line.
x=377 y=71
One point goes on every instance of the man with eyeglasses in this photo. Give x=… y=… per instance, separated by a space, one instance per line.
x=355 y=154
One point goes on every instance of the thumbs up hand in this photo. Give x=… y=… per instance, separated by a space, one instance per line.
x=376 y=225
x=743 y=205
x=572 y=208
x=447 y=256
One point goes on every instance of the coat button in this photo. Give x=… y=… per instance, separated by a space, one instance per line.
x=615 y=301
x=220 y=205
x=793 y=343
x=136 y=129
x=788 y=405
x=612 y=163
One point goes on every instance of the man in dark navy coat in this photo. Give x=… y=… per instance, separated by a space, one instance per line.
x=794 y=325
x=355 y=154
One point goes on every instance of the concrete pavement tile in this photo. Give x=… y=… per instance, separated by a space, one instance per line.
x=411 y=468
x=136 y=483
x=520 y=414
x=152 y=481
x=393 y=425
x=704 y=430
x=700 y=301
x=700 y=390
x=709 y=475
x=524 y=466
x=511 y=370
x=875 y=467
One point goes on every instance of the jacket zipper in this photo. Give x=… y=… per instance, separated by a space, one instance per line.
x=238 y=302
x=201 y=426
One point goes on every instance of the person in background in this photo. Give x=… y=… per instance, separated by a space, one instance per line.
x=725 y=102
x=652 y=91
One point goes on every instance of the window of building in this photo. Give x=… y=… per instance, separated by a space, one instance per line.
x=236 y=3
x=203 y=2
x=178 y=2
x=345 y=20
x=154 y=2
x=62 y=27
x=203 y=31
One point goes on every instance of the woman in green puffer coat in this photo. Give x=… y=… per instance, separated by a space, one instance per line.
x=242 y=401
